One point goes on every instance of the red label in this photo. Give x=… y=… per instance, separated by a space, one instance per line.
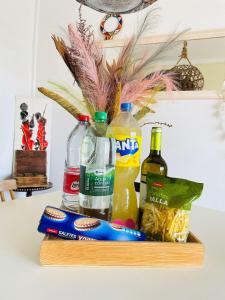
x=53 y=231
x=158 y=184
x=71 y=181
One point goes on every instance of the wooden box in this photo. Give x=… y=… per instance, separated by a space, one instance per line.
x=31 y=181
x=56 y=251
x=30 y=168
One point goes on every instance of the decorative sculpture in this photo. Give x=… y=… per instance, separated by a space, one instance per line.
x=30 y=169
x=27 y=128
x=188 y=76
x=41 y=143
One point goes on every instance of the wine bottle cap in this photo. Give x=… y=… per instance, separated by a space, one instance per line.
x=156 y=129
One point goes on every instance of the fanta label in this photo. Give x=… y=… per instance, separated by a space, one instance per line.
x=128 y=151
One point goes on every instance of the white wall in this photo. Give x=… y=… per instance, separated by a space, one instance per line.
x=16 y=42
x=192 y=158
x=194 y=147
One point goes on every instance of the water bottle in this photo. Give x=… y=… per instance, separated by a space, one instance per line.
x=124 y=128
x=97 y=170
x=72 y=164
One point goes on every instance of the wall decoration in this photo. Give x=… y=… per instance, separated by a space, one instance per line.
x=41 y=143
x=117 y=7
x=189 y=77
x=32 y=130
x=27 y=128
x=111 y=25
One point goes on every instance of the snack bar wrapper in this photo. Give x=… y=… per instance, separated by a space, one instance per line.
x=73 y=226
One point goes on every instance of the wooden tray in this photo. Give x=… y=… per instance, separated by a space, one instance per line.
x=56 y=251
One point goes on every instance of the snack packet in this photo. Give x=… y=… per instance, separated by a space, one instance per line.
x=73 y=226
x=167 y=209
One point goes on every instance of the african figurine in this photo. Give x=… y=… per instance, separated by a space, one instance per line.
x=41 y=143
x=27 y=128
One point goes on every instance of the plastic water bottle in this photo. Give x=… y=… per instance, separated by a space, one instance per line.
x=72 y=164
x=124 y=128
x=97 y=170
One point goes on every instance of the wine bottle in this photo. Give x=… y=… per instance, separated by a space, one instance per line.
x=154 y=163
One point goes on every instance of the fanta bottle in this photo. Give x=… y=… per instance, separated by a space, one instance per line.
x=124 y=128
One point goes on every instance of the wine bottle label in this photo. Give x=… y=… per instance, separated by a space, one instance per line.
x=97 y=182
x=71 y=181
x=128 y=151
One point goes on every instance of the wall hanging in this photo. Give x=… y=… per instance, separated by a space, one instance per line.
x=111 y=25
x=189 y=77
x=117 y=7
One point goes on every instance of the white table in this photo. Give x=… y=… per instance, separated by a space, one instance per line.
x=21 y=276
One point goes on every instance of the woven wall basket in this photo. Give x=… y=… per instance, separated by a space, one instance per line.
x=189 y=77
x=117 y=6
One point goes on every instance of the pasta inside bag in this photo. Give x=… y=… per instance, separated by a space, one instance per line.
x=167 y=209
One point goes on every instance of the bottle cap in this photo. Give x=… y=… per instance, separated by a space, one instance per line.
x=126 y=106
x=156 y=129
x=83 y=118
x=101 y=116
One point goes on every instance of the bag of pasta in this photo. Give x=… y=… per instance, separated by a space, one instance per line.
x=167 y=208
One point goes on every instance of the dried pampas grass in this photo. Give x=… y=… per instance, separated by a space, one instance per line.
x=105 y=86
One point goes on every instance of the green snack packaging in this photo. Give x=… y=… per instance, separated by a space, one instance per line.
x=167 y=208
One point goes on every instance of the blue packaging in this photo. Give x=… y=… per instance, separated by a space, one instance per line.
x=73 y=226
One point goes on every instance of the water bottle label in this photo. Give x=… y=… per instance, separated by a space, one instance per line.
x=71 y=181
x=97 y=182
x=128 y=151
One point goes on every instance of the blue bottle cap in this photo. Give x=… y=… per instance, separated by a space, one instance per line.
x=126 y=107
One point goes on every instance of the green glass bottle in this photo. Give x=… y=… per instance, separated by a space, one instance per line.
x=154 y=163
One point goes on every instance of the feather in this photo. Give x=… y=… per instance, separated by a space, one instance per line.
x=139 y=89
x=144 y=105
x=63 y=51
x=66 y=90
x=143 y=60
x=125 y=61
x=142 y=113
x=94 y=83
x=61 y=101
x=116 y=104
x=60 y=46
x=87 y=34
x=68 y=93
x=135 y=62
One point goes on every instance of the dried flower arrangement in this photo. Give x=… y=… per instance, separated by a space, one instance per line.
x=104 y=86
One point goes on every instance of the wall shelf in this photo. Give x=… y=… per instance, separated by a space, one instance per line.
x=157 y=39
x=189 y=95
